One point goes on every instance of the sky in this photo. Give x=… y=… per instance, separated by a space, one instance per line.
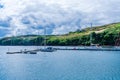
x=26 y=17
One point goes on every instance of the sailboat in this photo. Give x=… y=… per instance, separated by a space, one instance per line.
x=21 y=51
x=92 y=46
x=25 y=51
x=46 y=49
x=91 y=42
x=11 y=43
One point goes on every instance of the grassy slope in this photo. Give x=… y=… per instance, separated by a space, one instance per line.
x=110 y=28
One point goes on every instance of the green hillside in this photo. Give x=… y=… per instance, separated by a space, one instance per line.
x=103 y=35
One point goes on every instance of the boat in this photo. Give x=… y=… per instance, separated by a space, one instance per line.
x=22 y=52
x=13 y=52
x=47 y=49
x=28 y=52
x=31 y=52
x=12 y=41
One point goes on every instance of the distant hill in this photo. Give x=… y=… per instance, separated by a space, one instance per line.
x=103 y=35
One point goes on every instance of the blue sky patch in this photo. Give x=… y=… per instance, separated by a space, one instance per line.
x=1 y=6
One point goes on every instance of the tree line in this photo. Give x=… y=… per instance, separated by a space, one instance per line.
x=104 y=38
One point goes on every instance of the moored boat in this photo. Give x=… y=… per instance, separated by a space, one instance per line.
x=48 y=49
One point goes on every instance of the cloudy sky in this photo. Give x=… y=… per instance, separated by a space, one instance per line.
x=20 y=17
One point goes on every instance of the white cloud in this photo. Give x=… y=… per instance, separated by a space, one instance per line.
x=64 y=29
x=30 y=16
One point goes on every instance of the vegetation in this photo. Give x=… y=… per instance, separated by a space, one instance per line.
x=103 y=35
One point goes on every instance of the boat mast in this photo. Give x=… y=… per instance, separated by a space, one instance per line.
x=91 y=35
x=12 y=40
x=45 y=37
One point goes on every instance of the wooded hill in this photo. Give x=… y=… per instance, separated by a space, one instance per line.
x=102 y=35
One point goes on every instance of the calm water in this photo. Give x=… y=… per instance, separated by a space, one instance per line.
x=60 y=65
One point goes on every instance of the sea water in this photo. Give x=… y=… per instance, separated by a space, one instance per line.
x=59 y=65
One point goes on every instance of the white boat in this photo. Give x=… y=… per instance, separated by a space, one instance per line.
x=47 y=49
x=31 y=52
x=28 y=51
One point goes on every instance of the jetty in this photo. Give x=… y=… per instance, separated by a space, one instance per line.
x=67 y=48
x=23 y=52
x=90 y=49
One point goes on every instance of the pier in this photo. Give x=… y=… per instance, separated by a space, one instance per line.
x=79 y=49
x=23 y=52
x=89 y=49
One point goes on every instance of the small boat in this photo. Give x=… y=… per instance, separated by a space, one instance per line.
x=48 y=49
x=31 y=52
x=28 y=52
x=23 y=52
x=13 y=52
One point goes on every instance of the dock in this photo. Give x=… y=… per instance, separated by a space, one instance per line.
x=79 y=49
x=23 y=52
x=87 y=49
